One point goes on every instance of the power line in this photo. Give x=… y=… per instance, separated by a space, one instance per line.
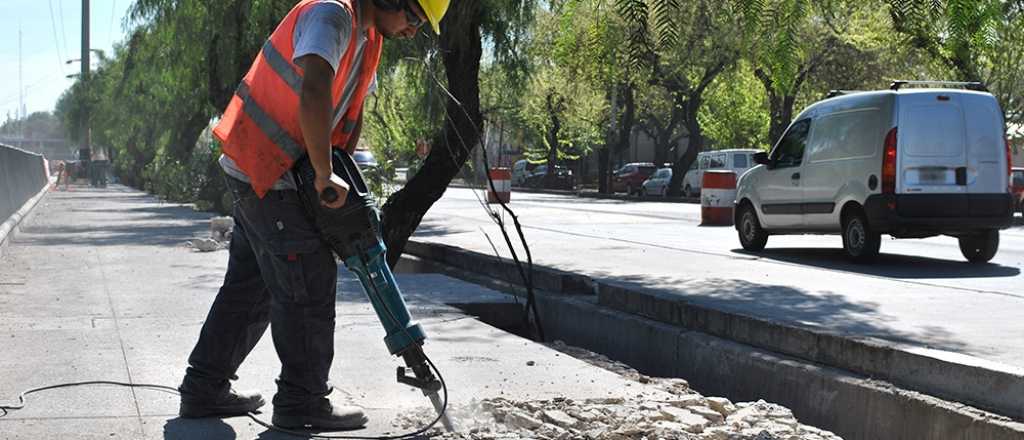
x=56 y=41
x=13 y=96
x=63 y=32
x=110 y=31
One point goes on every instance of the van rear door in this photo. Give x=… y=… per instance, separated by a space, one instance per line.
x=931 y=144
x=986 y=145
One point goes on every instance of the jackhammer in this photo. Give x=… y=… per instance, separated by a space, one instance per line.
x=353 y=232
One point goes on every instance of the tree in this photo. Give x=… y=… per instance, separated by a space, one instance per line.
x=975 y=40
x=693 y=43
x=735 y=112
x=460 y=44
x=565 y=110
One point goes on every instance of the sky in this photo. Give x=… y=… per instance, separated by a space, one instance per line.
x=48 y=40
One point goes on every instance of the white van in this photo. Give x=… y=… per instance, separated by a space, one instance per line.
x=910 y=163
x=737 y=159
x=520 y=171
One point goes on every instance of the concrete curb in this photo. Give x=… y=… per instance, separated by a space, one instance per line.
x=993 y=387
x=10 y=227
x=852 y=406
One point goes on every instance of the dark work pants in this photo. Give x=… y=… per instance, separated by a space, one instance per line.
x=279 y=273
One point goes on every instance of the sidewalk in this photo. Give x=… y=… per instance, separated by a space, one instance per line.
x=100 y=285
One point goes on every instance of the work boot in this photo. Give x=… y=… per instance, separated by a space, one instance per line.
x=229 y=403
x=324 y=416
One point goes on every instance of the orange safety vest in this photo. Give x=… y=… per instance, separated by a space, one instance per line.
x=260 y=128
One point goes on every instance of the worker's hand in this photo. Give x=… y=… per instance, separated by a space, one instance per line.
x=338 y=187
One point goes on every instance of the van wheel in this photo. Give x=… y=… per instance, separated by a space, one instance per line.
x=752 y=236
x=980 y=247
x=859 y=241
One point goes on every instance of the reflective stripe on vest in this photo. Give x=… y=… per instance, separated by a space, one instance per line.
x=282 y=67
x=267 y=125
x=260 y=128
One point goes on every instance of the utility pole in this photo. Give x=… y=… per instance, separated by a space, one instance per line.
x=85 y=150
x=21 y=88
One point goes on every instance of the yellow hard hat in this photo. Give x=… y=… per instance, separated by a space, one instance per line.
x=435 y=10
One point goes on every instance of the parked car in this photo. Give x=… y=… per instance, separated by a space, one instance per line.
x=630 y=178
x=365 y=159
x=1017 y=180
x=738 y=160
x=657 y=184
x=563 y=178
x=520 y=171
x=909 y=163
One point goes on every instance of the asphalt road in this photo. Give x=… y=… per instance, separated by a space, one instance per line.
x=921 y=293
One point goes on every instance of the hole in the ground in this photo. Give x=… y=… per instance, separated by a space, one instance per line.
x=504 y=316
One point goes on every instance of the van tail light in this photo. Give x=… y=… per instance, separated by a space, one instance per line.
x=889 y=163
x=1009 y=163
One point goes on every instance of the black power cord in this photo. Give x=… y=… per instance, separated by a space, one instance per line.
x=23 y=401
x=525 y=273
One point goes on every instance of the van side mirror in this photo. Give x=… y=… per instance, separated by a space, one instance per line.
x=761 y=158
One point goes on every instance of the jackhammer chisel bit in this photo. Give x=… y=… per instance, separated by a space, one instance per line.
x=353 y=233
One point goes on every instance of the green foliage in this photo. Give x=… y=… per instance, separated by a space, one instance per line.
x=971 y=40
x=735 y=114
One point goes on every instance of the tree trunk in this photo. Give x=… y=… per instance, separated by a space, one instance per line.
x=554 y=106
x=604 y=158
x=184 y=139
x=696 y=145
x=781 y=108
x=461 y=48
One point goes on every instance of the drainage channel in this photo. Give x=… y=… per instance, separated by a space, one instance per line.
x=851 y=405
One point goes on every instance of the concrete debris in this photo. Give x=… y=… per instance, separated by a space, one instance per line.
x=684 y=415
x=221 y=228
x=205 y=244
x=599 y=419
x=220 y=235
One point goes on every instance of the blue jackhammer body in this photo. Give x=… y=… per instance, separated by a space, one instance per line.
x=354 y=233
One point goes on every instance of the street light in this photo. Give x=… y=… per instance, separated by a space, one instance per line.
x=99 y=52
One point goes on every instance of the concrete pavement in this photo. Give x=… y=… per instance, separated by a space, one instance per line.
x=100 y=286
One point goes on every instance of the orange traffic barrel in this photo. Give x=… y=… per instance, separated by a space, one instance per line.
x=717 y=198
x=502 y=190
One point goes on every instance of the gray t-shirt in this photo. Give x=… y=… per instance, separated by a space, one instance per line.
x=324 y=30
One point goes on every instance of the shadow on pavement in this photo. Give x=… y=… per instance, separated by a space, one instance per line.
x=189 y=429
x=887 y=265
x=820 y=310
x=112 y=235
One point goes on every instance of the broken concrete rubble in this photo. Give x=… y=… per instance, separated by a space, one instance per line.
x=686 y=415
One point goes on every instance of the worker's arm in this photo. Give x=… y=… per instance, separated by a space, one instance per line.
x=353 y=139
x=315 y=120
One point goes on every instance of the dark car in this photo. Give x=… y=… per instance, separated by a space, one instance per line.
x=562 y=179
x=1017 y=183
x=365 y=159
x=630 y=178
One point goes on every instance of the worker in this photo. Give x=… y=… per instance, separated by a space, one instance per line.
x=303 y=94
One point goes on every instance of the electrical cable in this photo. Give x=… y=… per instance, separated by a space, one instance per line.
x=525 y=274
x=56 y=40
x=23 y=401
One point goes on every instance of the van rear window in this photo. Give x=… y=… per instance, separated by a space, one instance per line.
x=932 y=130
